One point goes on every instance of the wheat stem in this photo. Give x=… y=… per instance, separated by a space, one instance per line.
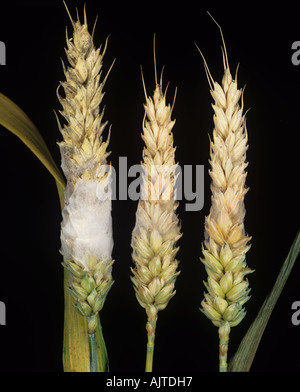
x=223 y=347
x=93 y=352
x=224 y=332
x=150 y=347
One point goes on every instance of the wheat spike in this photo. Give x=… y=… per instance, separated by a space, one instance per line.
x=86 y=228
x=157 y=227
x=226 y=241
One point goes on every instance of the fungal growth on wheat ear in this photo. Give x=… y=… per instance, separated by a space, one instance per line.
x=86 y=228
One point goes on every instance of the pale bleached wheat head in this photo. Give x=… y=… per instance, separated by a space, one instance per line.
x=157 y=227
x=226 y=241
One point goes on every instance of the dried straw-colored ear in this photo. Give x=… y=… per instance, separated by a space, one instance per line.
x=157 y=227
x=226 y=241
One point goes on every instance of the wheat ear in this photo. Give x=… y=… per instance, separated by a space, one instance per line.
x=157 y=227
x=86 y=228
x=226 y=242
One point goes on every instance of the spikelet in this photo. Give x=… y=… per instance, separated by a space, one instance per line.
x=157 y=227
x=226 y=241
x=86 y=228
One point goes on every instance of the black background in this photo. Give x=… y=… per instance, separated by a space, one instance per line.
x=31 y=276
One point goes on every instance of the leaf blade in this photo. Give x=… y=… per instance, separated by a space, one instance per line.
x=244 y=356
x=102 y=356
x=13 y=118
x=76 y=354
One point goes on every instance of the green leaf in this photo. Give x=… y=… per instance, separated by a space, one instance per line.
x=243 y=358
x=102 y=357
x=16 y=121
x=76 y=354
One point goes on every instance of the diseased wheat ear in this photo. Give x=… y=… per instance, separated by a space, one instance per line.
x=226 y=241
x=157 y=227
x=86 y=228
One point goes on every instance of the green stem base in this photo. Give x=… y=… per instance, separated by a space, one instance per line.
x=151 y=325
x=224 y=332
x=93 y=352
x=223 y=355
